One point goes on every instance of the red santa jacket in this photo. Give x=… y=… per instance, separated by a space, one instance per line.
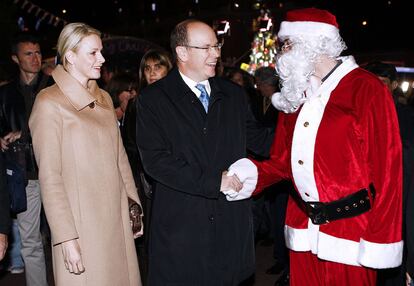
x=342 y=139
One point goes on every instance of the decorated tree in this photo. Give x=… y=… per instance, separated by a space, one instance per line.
x=263 y=52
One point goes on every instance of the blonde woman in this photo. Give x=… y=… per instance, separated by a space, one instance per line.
x=87 y=186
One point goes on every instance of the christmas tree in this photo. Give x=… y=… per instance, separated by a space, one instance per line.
x=264 y=44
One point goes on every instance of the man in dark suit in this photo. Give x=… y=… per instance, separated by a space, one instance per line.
x=191 y=126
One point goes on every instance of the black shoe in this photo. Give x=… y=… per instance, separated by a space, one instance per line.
x=277 y=268
x=283 y=280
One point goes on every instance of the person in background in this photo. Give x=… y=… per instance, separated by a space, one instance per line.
x=108 y=70
x=88 y=190
x=14 y=260
x=122 y=88
x=238 y=76
x=154 y=65
x=243 y=79
x=276 y=196
x=267 y=83
x=338 y=140
x=387 y=73
x=16 y=101
x=191 y=126
x=246 y=81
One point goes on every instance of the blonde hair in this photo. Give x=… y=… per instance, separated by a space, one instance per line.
x=70 y=37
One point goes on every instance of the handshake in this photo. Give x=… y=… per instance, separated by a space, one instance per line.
x=239 y=182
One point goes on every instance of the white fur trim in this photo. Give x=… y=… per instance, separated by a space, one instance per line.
x=327 y=247
x=298 y=28
x=336 y=249
x=331 y=248
x=297 y=239
x=246 y=170
x=303 y=148
x=380 y=255
x=306 y=130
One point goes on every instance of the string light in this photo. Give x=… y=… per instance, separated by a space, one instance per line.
x=40 y=13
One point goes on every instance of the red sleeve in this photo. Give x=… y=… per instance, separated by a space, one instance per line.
x=382 y=239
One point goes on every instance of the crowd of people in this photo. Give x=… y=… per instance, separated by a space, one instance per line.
x=173 y=175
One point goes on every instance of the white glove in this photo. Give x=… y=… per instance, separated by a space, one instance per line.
x=246 y=171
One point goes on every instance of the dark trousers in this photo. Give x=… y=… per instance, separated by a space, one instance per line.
x=269 y=213
x=277 y=208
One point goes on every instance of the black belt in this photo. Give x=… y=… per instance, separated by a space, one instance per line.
x=349 y=206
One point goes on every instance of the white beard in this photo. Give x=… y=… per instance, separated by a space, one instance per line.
x=294 y=68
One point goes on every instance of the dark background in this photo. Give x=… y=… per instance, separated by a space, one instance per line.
x=386 y=36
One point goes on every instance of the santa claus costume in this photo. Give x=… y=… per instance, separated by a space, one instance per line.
x=342 y=150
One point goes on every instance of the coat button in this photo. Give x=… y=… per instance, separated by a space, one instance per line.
x=205 y=130
x=306 y=124
x=300 y=162
x=92 y=105
x=211 y=218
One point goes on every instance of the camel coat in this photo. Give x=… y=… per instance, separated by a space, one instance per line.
x=85 y=180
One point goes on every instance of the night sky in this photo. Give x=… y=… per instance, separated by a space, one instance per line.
x=387 y=28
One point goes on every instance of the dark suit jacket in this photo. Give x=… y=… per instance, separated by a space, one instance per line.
x=197 y=237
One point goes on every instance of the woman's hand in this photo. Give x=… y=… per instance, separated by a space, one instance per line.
x=3 y=245
x=135 y=218
x=9 y=138
x=72 y=256
x=408 y=279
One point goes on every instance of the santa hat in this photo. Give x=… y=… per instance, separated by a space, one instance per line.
x=309 y=21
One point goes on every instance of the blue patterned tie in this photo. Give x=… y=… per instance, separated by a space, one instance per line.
x=204 y=98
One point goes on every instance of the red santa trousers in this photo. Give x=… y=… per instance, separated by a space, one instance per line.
x=307 y=269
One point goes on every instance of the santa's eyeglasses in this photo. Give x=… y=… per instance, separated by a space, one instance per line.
x=284 y=46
